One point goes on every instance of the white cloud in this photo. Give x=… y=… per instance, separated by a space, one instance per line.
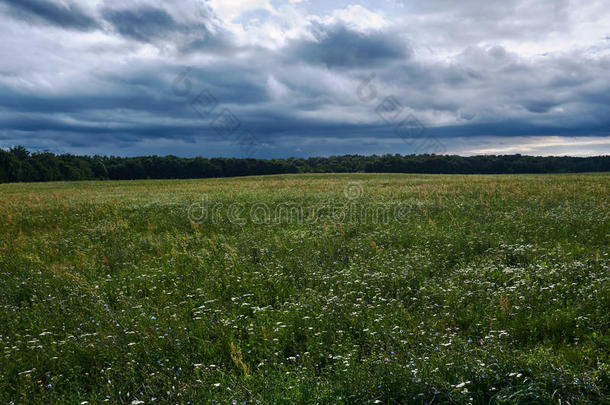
x=357 y=17
x=228 y=10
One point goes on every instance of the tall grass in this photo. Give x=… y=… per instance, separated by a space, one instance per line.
x=489 y=289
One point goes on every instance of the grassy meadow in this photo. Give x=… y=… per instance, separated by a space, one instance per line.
x=355 y=288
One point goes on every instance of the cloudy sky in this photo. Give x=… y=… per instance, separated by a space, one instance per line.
x=280 y=78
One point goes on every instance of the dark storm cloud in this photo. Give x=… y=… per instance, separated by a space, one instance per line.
x=67 y=15
x=339 y=46
x=140 y=100
x=149 y=24
x=142 y=24
x=126 y=99
x=539 y=106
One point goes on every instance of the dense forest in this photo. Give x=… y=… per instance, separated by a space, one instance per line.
x=19 y=165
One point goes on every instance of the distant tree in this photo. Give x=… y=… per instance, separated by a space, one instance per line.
x=18 y=164
x=20 y=152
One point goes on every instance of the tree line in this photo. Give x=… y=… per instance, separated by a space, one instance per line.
x=20 y=165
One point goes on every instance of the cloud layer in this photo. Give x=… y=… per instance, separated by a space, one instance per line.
x=191 y=77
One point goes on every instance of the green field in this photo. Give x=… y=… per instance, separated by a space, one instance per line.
x=307 y=289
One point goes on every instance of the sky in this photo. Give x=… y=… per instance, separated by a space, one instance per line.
x=282 y=78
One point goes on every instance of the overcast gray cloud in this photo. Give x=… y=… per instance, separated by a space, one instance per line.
x=306 y=78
